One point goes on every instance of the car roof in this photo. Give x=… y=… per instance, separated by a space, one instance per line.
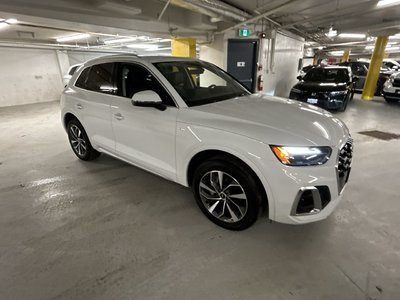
x=331 y=67
x=136 y=58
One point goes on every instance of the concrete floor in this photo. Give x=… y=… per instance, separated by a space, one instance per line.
x=106 y=230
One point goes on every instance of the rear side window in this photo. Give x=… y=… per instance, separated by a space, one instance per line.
x=81 y=82
x=98 y=78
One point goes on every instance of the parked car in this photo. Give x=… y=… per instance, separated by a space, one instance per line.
x=360 y=70
x=72 y=69
x=329 y=87
x=391 y=64
x=305 y=69
x=190 y=122
x=391 y=88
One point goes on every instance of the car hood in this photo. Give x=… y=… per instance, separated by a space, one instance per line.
x=271 y=120
x=320 y=86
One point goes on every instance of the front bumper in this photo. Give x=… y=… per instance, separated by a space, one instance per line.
x=390 y=91
x=324 y=100
x=309 y=194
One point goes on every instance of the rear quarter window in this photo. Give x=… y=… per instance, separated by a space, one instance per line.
x=98 y=78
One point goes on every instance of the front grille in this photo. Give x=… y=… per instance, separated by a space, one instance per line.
x=396 y=82
x=344 y=164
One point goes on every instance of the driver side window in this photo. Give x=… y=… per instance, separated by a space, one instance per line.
x=205 y=78
x=134 y=78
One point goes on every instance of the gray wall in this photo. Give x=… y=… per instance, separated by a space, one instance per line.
x=29 y=76
x=279 y=79
x=35 y=75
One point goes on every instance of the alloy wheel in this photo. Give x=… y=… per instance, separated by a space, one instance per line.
x=77 y=140
x=223 y=196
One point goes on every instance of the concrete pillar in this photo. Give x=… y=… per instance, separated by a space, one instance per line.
x=184 y=47
x=374 y=68
x=346 y=56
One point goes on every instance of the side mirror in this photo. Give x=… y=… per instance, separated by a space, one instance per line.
x=148 y=98
x=299 y=77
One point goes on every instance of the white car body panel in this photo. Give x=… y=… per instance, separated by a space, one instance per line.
x=145 y=136
x=164 y=142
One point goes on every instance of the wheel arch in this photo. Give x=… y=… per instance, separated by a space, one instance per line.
x=223 y=155
x=68 y=117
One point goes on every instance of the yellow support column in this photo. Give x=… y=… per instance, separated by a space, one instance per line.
x=346 y=56
x=374 y=68
x=184 y=47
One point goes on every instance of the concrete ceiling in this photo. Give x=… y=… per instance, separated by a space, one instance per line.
x=43 y=21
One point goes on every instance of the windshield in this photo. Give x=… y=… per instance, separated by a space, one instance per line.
x=327 y=75
x=200 y=83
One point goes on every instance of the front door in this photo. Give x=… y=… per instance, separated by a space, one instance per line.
x=144 y=136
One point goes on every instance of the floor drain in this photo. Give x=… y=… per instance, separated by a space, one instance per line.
x=381 y=135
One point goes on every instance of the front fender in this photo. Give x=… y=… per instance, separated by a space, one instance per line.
x=192 y=139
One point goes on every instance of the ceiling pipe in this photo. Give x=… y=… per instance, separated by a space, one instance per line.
x=213 y=8
x=256 y=18
x=163 y=10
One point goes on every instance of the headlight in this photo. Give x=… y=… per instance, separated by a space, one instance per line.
x=338 y=93
x=302 y=156
x=297 y=91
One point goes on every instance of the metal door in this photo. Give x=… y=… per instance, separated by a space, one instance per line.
x=242 y=60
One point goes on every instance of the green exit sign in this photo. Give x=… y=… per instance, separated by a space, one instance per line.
x=244 y=32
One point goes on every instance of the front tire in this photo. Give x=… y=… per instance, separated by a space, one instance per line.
x=344 y=104
x=79 y=141
x=227 y=194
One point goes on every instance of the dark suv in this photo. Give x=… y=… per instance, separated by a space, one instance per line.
x=330 y=87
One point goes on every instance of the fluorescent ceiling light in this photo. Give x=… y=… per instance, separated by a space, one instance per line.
x=120 y=40
x=331 y=32
x=75 y=37
x=3 y=24
x=337 y=53
x=387 y=2
x=393 y=48
x=388 y=47
x=150 y=47
x=12 y=21
x=143 y=38
x=164 y=40
x=353 y=35
x=159 y=49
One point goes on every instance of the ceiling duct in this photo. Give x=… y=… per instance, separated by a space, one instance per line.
x=213 y=8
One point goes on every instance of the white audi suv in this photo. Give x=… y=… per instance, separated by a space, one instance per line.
x=192 y=123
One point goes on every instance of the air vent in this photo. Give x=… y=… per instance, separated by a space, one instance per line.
x=382 y=135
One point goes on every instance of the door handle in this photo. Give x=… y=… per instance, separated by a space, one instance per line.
x=119 y=116
x=79 y=106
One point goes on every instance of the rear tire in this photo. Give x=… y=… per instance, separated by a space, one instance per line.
x=388 y=100
x=227 y=193
x=79 y=141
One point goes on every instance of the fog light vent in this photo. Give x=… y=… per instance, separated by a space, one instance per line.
x=311 y=200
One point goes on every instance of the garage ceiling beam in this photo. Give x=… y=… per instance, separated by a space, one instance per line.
x=354 y=10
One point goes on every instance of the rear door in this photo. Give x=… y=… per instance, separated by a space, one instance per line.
x=92 y=99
